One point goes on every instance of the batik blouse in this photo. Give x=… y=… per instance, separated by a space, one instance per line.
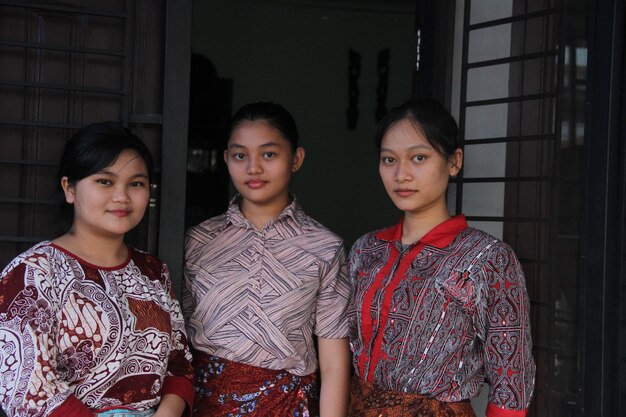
x=438 y=317
x=76 y=338
x=257 y=296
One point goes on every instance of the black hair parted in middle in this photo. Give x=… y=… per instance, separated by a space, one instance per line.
x=272 y=113
x=431 y=118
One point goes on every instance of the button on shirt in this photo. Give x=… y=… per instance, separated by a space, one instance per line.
x=258 y=296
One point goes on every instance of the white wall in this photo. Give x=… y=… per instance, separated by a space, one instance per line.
x=298 y=56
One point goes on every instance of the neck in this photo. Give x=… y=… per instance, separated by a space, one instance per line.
x=97 y=250
x=260 y=215
x=415 y=226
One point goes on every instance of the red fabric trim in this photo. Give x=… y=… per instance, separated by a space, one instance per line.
x=495 y=411
x=368 y=323
x=439 y=236
x=72 y=407
x=398 y=276
x=393 y=233
x=183 y=388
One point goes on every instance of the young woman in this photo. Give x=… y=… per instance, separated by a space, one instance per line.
x=437 y=306
x=261 y=280
x=88 y=325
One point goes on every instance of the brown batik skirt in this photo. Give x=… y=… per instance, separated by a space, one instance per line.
x=228 y=389
x=366 y=400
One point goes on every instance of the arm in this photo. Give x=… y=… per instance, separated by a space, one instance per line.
x=334 y=358
x=28 y=334
x=171 y=405
x=178 y=385
x=509 y=364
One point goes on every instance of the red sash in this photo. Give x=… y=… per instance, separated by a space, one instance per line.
x=226 y=388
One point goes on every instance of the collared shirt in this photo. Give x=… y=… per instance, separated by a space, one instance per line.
x=78 y=338
x=258 y=296
x=437 y=317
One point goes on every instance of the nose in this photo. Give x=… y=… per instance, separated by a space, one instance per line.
x=121 y=195
x=254 y=166
x=403 y=173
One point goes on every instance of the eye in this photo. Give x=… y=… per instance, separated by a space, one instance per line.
x=238 y=156
x=269 y=154
x=419 y=158
x=387 y=160
x=137 y=184
x=103 y=181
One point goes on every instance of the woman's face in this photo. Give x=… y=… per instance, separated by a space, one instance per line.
x=415 y=175
x=111 y=202
x=261 y=162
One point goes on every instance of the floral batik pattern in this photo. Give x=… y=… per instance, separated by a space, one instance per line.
x=76 y=335
x=230 y=389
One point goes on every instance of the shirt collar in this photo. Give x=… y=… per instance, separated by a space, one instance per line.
x=292 y=212
x=440 y=236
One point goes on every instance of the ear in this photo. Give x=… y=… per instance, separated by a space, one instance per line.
x=455 y=162
x=68 y=190
x=226 y=155
x=298 y=159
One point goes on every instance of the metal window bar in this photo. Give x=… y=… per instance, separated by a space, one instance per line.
x=35 y=130
x=548 y=109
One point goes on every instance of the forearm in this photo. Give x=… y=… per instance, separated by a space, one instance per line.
x=171 y=405
x=335 y=377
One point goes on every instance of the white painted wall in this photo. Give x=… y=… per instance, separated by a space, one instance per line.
x=298 y=56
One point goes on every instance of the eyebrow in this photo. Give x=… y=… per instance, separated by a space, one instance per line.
x=414 y=147
x=265 y=145
x=105 y=172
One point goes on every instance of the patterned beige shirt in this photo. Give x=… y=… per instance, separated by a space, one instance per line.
x=257 y=296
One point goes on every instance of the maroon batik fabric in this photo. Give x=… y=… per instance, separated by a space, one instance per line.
x=77 y=338
x=226 y=389
x=440 y=316
x=366 y=400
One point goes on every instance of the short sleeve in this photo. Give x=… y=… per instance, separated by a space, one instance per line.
x=332 y=299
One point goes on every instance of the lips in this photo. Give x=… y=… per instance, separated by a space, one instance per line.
x=120 y=213
x=404 y=192
x=255 y=184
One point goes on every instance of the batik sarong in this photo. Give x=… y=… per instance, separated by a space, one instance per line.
x=230 y=389
x=367 y=400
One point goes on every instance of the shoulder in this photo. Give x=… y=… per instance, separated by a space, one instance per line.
x=315 y=230
x=206 y=230
x=484 y=248
x=367 y=241
x=40 y=255
x=203 y=233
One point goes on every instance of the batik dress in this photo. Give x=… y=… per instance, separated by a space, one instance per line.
x=76 y=338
